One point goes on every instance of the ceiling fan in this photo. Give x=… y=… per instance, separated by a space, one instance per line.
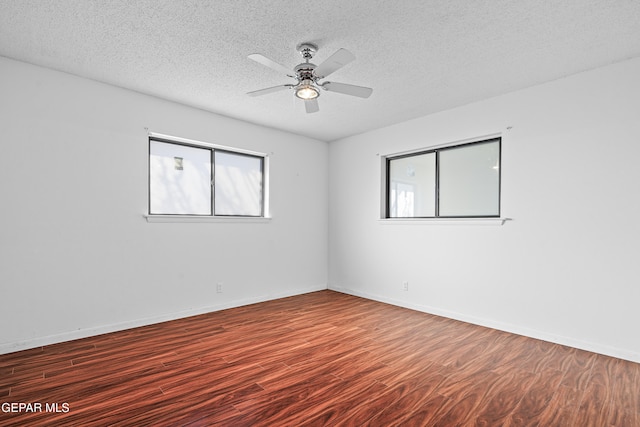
x=307 y=76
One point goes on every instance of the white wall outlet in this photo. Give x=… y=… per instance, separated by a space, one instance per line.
x=219 y=287
x=405 y=286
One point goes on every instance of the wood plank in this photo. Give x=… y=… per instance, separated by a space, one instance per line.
x=535 y=401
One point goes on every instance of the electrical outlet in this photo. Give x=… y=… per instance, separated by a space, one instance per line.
x=405 y=286
x=219 y=287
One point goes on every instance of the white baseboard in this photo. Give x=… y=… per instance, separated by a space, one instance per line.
x=514 y=329
x=11 y=347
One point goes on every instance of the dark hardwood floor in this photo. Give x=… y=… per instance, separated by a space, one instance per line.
x=320 y=359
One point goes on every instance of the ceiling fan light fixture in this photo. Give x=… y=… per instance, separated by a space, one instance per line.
x=306 y=90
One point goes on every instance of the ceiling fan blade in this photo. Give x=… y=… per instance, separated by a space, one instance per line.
x=336 y=61
x=311 y=106
x=269 y=90
x=353 y=90
x=260 y=59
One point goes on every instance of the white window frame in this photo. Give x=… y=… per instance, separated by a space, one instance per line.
x=155 y=217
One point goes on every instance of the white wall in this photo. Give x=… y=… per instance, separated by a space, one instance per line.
x=76 y=255
x=565 y=269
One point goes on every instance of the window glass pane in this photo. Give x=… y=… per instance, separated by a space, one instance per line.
x=238 y=184
x=179 y=179
x=470 y=180
x=412 y=186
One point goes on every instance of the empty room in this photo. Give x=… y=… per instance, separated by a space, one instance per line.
x=281 y=213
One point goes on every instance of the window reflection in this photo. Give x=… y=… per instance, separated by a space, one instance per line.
x=412 y=186
x=238 y=184
x=179 y=187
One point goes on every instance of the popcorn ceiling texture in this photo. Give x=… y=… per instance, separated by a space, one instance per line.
x=419 y=56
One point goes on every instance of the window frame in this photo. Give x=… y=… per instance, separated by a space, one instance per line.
x=437 y=150
x=212 y=148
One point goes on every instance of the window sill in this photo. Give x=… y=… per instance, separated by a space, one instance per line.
x=445 y=221
x=203 y=218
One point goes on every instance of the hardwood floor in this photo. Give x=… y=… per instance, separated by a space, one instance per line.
x=320 y=359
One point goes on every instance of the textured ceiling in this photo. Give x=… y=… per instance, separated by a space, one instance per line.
x=419 y=56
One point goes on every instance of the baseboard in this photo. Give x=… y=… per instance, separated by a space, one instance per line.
x=11 y=347
x=619 y=353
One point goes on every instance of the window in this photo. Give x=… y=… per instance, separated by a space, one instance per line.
x=461 y=181
x=186 y=178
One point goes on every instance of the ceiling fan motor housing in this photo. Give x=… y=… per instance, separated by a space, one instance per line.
x=306 y=87
x=304 y=71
